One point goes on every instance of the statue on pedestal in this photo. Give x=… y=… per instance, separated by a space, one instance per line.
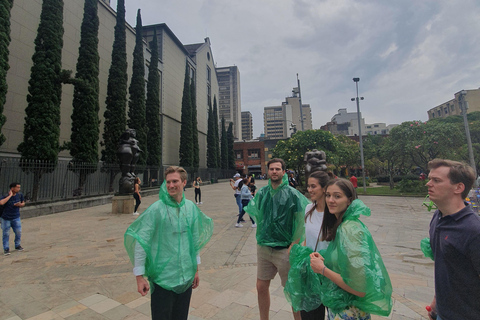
x=128 y=153
x=314 y=161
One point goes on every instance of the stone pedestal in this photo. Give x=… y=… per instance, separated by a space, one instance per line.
x=123 y=204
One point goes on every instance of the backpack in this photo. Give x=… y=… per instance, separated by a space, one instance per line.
x=1 y=210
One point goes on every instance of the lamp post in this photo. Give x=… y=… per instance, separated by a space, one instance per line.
x=463 y=107
x=356 y=80
x=300 y=101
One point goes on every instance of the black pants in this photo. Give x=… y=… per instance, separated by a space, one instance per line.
x=137 y=201
x=199 y=194
x=240 y=216
x=317 y=314
x=168 y=305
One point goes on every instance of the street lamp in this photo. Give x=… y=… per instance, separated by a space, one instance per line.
x=356 y=80
x=463 y=107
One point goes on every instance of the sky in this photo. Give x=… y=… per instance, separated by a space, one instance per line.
x=410 y=55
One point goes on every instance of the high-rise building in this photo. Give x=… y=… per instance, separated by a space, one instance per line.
x=452 y=107
x=247 y=125
x=297 y=115
x=229 y=104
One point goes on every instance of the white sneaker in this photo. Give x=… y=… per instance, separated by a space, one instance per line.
x=201 y=202
x=136 y=213
x=196 y=202
x=238 y=225
x=254 y=225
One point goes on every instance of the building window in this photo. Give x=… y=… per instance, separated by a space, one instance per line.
x=239 y=155
x=446 y=110
x=209 y=92
x=439 y=113
x=254 y=154
x=209 y=74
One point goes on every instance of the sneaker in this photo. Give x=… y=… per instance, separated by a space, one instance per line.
x=254 y=225
x=6 y=252
x=238 y=225
x=19 y=248
x=136 y=213
x=196 y=202
x=201 y=202
x=242 y=220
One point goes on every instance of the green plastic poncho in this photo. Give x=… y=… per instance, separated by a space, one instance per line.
x=279 y=214
x=354 y=255
x=172 y=235
x=426 y=248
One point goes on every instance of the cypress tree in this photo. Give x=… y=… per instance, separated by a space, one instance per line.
x=152 y=108
x=42 y=121
x=211 y=150
x=224 y=145
x=196 y=149
x=186 y=142
x=230 y=151
x=217 y=135
x=136 y=111
x=5 y=7
x=85 y=124
x=115 y=118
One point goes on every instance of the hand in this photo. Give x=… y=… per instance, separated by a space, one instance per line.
x=10 y=193
x=316 y=262
x=433 y=305
x=196 y=281
x=142 y=285
x=19 y=204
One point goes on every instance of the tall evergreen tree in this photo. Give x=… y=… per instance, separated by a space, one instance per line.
x=186 y=142
x=42 y=121
x=136 y=111
x=5 y=7
x=85 y=123
x=217 y=135
x=230 y=151
x=211 y=150
x=196 y=148
x=152 y=108
x=224 y=146
x=115 y=118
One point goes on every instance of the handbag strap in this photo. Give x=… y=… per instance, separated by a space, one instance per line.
x=319 y=232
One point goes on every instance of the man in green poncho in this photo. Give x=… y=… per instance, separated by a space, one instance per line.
x=278 y=210
x=164 y=245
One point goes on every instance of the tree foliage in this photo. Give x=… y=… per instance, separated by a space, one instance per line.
x=224 y=146
x=152 y=106
x=196 y=148
x=115 y=117
x=186 y=143
x=136 y=111
x=230 y=151
x=5 y=7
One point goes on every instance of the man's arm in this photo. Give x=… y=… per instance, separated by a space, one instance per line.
x=4 y=200
x=139 y=270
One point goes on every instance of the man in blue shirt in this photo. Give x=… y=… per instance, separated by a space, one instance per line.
x=11 y=217
x=455 y=242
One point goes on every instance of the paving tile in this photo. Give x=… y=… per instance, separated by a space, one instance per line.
x=138 y=302
x=104 y=305
x=93 y=299
x=50 y=315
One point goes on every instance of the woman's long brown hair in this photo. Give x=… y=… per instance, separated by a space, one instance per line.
x=330 y=223
x=322 y=179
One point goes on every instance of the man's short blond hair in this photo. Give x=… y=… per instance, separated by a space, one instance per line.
x=179 y=170
x=460 y=172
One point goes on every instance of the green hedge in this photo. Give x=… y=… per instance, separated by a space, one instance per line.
x=386 y=179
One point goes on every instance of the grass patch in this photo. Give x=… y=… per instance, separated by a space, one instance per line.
x=386 y=191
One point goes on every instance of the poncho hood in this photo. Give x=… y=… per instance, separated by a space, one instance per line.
x=355 y=210
x=165 y=197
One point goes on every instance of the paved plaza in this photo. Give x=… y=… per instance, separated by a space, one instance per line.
x=75 y=266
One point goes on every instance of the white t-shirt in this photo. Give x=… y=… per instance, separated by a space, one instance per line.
x=313 y=226
x=236 y=186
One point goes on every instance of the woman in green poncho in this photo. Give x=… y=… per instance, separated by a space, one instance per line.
x=164 y=245
x=355 y=282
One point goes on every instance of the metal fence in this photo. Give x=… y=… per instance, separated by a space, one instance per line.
x=43 y=181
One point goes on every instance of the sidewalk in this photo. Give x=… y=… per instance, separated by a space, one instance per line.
x=75 y=267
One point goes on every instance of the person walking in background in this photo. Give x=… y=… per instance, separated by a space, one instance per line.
x=136 y=195
x=454 y=242
x=198 y=192
x=234 y=185
x=279 y=212
x=354 y=181
x=164 y=244
x=246 y=196
x=12 y=203
x=356 y=282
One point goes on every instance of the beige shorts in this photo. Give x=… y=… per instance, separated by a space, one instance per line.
x=270 y=261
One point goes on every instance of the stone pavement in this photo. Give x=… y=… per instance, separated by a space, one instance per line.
x=75 y=267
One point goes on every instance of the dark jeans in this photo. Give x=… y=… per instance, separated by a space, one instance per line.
x=168 y=305
x=199 y=194
x=137 y=201
x=317 y=314
x=240 y=216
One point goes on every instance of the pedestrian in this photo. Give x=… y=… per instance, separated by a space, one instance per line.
x=246 y=196
x=12 y=203
x=278 y=211
x=355 y=280
x=251 y=185
x=316 y=184
x=454 y=241
x=198 y=193
x=164 y=244
x=234 y=184
x=291 y=181
x=354 y=181
x=136 y=195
